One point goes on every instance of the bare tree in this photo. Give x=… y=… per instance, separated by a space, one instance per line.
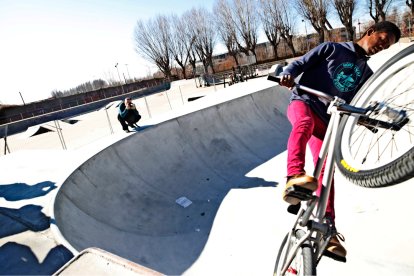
x=378 y=9
x=192 y=58
x=406 y=22
x=269 y=15
x=287 y=24
x=316 y=12
x=278 y=22
x=246 y=21
x=395 y=16
x=201 y=26
x=345 y=10
x=181 y=42
x=410 y=4
x=226 y=28
x=153 y=40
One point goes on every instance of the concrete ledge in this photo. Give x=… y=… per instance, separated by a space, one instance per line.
x=95 y=261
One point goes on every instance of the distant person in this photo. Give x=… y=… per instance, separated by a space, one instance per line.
x=128 y=115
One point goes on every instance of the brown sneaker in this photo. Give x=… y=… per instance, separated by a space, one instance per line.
x=335 y=249
x=304 y=182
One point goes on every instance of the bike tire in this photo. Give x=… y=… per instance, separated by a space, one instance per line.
x=303 y=257
x=384 y=158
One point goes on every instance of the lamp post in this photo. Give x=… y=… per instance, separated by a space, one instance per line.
x=120 y=81
x=359 y=28
x=148 y=71
x=306 y=33
x=129 y=76
x=22 y=98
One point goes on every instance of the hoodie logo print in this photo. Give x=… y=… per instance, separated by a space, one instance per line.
x=346 y=77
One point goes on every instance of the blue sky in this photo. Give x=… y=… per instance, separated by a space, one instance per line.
x=59 y=44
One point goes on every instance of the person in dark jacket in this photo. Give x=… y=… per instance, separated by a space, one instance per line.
x=338 y=69
x=128 y=115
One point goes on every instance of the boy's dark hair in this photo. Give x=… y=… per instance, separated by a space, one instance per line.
x=386 y=26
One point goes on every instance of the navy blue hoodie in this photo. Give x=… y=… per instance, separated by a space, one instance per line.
x=334 y=68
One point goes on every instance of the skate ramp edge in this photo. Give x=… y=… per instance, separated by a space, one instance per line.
x=124 y=199
x=95 y=261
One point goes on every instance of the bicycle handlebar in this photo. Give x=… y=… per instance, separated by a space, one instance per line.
x=398 y=118
x=309 y=90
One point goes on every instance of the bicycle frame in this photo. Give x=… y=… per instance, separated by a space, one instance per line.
x=318 y=225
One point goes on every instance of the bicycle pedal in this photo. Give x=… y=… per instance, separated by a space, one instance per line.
x=293 y=209
x=300 y=193
x=334 y=256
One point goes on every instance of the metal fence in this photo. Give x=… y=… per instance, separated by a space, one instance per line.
x=77 y=131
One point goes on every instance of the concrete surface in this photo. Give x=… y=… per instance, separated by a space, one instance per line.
x=123 y=198
x=104 y=263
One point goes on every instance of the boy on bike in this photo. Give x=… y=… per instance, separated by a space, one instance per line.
x=338 y=69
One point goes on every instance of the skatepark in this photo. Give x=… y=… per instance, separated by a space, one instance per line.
x=195 y=191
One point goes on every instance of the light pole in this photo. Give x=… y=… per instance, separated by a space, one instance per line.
x=120 y=81
x=359 y=28
x=306 y=32
x=22 y=98
x=129 y=76
x=148 y=71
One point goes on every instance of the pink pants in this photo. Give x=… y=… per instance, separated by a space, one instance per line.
x=307 y=128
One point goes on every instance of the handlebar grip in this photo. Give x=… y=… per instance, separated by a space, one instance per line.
x=274 y=78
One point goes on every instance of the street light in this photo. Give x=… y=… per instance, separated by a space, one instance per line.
x=359 y=28
x=22 y=98
x=148 y=71
x=120 y=81
x=129 y=76
x=306 y=32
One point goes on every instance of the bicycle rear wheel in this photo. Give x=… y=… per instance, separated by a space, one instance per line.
x=302 y=264
x=386 y=157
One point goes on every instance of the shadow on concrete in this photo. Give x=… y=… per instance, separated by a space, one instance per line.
x=29 y=217
x=141 y=128
x=20 y=191
x=253 y=182
x=18 y=259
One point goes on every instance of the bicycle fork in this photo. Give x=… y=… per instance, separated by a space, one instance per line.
x=292 y=253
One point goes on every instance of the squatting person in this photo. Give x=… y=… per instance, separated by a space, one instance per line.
x=128 y=114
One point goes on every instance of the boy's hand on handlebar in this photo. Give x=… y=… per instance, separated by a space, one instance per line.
x=287 y=80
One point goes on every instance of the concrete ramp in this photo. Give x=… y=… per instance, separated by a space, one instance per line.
x=123 y=199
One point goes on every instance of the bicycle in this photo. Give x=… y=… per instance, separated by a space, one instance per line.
x=382 y=110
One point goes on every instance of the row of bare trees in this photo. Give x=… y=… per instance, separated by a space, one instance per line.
x=191 y=37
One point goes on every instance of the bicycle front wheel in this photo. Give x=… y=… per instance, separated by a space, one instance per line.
x=386 y=157
x=302 y=264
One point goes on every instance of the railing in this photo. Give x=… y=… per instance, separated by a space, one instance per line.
x=54 y=104
x=30 y=118
x=83 y=128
